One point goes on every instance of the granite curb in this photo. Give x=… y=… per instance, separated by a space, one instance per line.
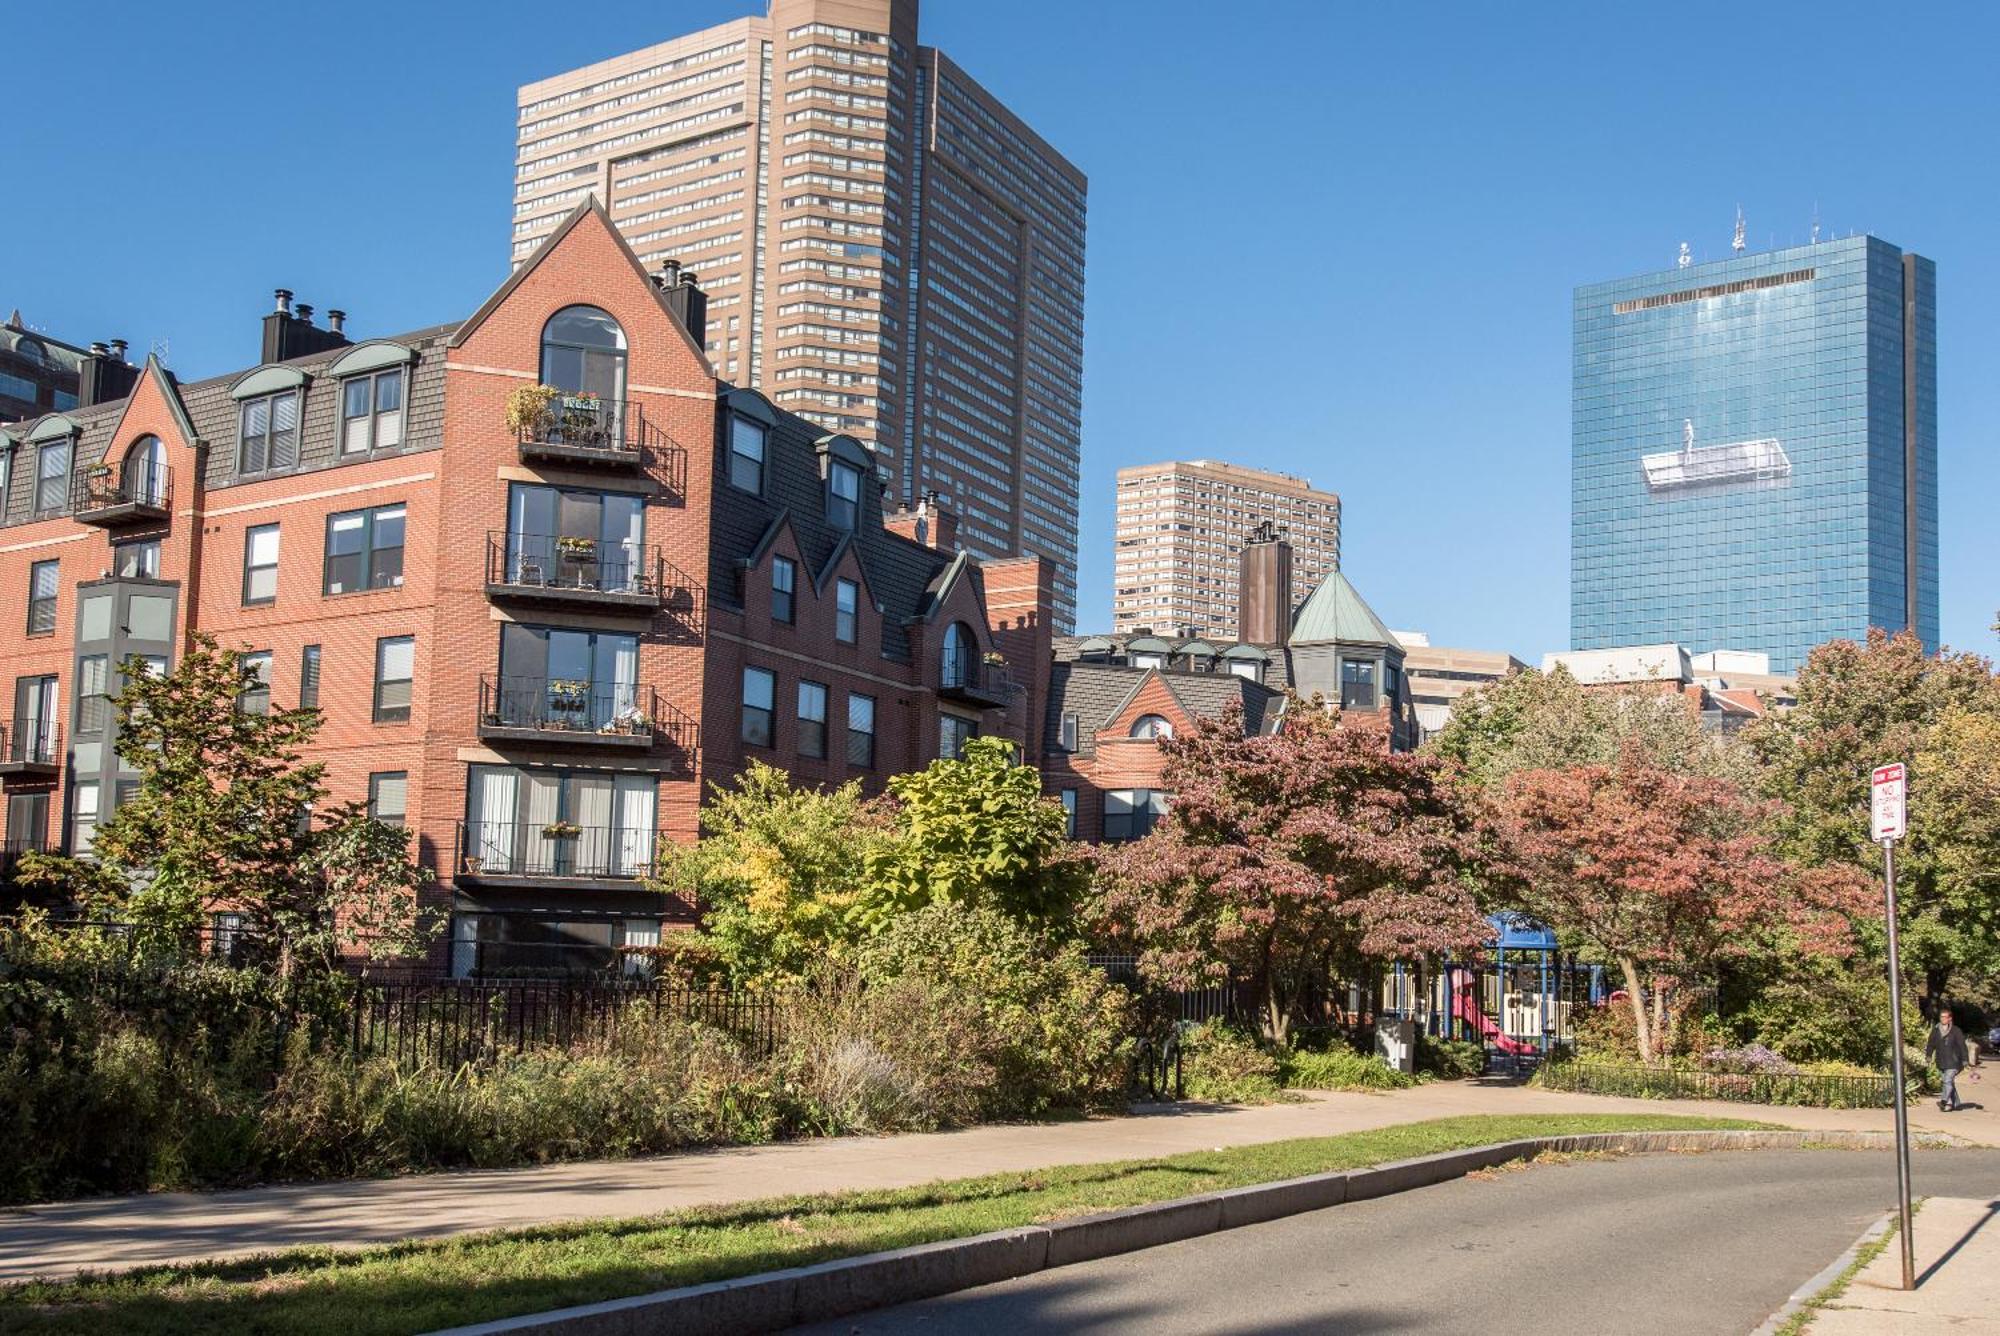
x=773 y=1300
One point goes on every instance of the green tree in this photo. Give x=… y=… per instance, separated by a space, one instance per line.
x=221 y=820
x=977 y=831
x=779 y=873
x=1531 y=720
x=1864 y=705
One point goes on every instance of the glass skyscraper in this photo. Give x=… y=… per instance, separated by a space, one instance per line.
x=1754 y=452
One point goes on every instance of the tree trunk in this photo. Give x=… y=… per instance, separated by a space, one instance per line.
x=1636 y=998
x=1661 y=1039
x=1274 y=1009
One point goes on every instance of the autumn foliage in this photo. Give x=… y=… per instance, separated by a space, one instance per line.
x=1664 y=873
x=1290 y=859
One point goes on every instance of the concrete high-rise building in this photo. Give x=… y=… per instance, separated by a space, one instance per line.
x=1754 y=452
x=1181 y=527
x=888 y=251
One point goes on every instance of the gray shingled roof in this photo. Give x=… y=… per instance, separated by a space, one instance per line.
x=1095 y=692
x=899 y=573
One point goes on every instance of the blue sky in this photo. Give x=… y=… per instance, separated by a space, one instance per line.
x=1336 y=239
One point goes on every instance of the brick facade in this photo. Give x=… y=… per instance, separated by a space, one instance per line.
x=677 y=613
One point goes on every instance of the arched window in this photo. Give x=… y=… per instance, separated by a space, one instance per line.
x=961 y=656
x=1152 y=726
x=30 y=350
x=583 y=350
x=144 y=475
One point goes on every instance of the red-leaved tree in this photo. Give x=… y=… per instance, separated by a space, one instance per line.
x=1291 y=860
x=1664 y=873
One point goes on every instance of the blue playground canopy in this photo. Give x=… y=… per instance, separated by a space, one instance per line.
x=1518 y=932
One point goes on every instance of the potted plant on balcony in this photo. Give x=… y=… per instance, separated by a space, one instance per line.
x=529 y=414
x=993 y=658
x=474 y=865
x=567 y=698
x=561 y=830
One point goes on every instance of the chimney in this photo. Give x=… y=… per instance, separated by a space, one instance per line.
x=1264 y=588
x=103 y=376
x=336 y=320
x=687 y=301
x=289 y=331
x=928 y=524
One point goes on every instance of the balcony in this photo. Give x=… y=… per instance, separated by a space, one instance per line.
x=31 y=747
x=560 y=570
x=583 y=429
x=139 y=491
x=556 y=855
x=13 y=851
x=568 y=711
x=970 y=682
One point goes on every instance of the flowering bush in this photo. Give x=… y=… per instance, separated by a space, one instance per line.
x=1750 y=1060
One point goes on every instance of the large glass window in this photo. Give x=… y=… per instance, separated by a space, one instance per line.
x=371 y=412
x=861 y=730
x=395 y=678
x=260 y=564
x=255 y=698
x=784 y=585
x=389 y=796
x=843 y=495
x=846 y=611
x=44 y=579
x=1131 y=814
x=746 y=454
x=583 y=352
x=541 y=823
x=812 y=719
x=953 y=733
x=268 y=434
x=760 y=692
x=34 y=733
x=568 y=536
x=141 y=558
x=145 y=472
x=961 y=656
x=364 y=550
x=1357 y=684
x=52 y=478
x=551 y=677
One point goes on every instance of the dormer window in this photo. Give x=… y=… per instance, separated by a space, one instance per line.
x=1152 y=726
x=371 y=412
x=746 y=454
x=843 y=495
x=52 y=476
x=268 y=436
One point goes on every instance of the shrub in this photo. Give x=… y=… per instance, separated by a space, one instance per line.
x=1450 y=1059
x=892 y=1056
x=1055 y=1027
x=1751 y=1060
x=1341 y=1069
x=1227 y=1065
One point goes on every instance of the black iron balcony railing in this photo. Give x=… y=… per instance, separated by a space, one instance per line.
x=614 y=712
x=562 y=564
x=29 y=745
x=524 y=851
x=13 y=851
x=138 y=489
x=582 y=428
x=973 y=681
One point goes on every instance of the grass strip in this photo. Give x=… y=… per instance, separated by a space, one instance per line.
x=422 y=1286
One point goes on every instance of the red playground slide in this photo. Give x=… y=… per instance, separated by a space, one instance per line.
x=1468 y=1007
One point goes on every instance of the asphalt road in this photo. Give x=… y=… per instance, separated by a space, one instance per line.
x=1681 y=1244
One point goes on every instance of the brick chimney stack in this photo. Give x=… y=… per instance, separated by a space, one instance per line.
x=1264 y=588
x=930 y=523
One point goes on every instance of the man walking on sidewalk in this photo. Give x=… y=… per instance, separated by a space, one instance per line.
x=1946 y=1047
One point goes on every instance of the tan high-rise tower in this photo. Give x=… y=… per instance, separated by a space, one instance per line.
x=1181 y=527
x=886 y=249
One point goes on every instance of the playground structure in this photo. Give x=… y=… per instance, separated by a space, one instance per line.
x=1518 y=998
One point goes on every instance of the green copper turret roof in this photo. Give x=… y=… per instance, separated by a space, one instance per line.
x=1336 y=612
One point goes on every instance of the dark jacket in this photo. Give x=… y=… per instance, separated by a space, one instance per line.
x=1946 y=1048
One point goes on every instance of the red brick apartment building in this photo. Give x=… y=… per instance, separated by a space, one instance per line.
x=534 y=644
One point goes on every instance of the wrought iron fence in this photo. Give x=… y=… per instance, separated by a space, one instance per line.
x=561 y=563
x=490 y=849
x=31 y=741
x=568 y=705
x=612 y=427
x=454 y=1022
x=1813 y=1089
x=136 y=482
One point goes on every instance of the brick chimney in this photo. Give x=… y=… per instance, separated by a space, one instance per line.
x=930 y=523
x=1264 y=588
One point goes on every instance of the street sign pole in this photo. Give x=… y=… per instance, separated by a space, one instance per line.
x=1888 y=820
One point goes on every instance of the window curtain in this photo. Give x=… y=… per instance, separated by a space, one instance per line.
x=495 y=810
x=590 y=808
x=637 y=825
x=623 y=540
x=540 y=853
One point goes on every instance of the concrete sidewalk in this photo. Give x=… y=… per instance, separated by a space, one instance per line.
x=1958 y=1278
x=116 y=1233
